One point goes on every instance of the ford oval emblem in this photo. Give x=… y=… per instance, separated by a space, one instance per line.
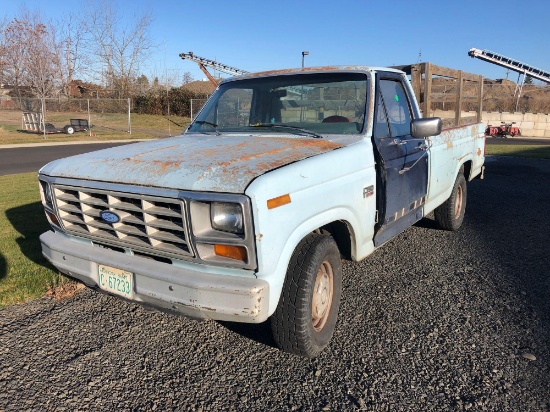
x=109 y=217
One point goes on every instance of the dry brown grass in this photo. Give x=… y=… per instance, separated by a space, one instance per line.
x=65 y=290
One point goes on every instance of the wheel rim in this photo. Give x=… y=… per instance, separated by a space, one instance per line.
x=458 y=202
x=322 y=296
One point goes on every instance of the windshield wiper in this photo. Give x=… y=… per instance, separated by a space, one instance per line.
x=286 y=126
x=214 y=125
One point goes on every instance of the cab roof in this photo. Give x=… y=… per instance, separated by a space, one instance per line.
x=319 y=69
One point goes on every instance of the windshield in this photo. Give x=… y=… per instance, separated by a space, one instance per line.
x=303 y=104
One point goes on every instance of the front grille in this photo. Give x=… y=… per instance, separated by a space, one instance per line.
x=147 y=223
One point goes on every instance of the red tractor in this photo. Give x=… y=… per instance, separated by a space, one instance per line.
x=504 y=130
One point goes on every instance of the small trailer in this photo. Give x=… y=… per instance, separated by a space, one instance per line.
x=32 y=122
x=77 y=125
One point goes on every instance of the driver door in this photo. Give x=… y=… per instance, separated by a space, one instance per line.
x=402 y=160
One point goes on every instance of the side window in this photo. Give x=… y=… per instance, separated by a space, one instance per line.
x=397 y=107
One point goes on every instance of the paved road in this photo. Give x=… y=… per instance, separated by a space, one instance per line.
x=431 y=321
x=31 y=159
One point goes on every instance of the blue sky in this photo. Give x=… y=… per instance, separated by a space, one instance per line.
x=263 y=35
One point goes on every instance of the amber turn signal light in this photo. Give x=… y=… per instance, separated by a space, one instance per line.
x=231 y=252
x=278 y=201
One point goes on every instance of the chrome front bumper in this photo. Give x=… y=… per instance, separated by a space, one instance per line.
x=180 y=290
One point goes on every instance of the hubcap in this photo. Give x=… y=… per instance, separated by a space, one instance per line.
x=458 y=202
x=322 y=296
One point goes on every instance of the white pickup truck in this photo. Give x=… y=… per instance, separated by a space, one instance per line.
x=246 y=216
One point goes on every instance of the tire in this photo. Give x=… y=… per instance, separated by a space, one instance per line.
x=69 y=129
x=304 y=321
x=450 y=215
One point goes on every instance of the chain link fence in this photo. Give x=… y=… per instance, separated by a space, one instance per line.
x=196 y=106
x=115 y=118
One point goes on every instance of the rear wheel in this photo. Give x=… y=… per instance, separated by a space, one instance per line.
x=305 y=318
x=450 y=215
x=69 y=129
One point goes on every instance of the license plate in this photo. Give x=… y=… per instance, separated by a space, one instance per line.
x=117 y=281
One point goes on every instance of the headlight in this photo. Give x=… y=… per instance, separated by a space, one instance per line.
x=227 y=217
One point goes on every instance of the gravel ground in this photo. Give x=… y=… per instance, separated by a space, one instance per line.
x=431 y=321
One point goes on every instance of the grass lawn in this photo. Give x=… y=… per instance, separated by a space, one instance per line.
x=24 y=272
x=532 y=151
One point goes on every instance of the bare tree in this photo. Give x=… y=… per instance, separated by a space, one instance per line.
x=40 y=56
x=3 y=24
x=28 y=58
x=121 y=49
x=142 y=84
x=70 y=50
x=187 y=78
x=166 y=78
x=41 y=61
x=14 y=46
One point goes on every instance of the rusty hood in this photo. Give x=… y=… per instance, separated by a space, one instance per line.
x=190 y=162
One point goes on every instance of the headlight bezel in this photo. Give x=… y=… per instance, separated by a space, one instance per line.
x=207 y=234
x=46 y=196
x=46 y=193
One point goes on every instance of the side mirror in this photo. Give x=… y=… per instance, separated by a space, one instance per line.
x=430 y=126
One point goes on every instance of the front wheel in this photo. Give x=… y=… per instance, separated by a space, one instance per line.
x=450 y=215
x=305 y=318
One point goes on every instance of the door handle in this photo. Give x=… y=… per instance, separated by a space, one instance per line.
x=406 y=169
